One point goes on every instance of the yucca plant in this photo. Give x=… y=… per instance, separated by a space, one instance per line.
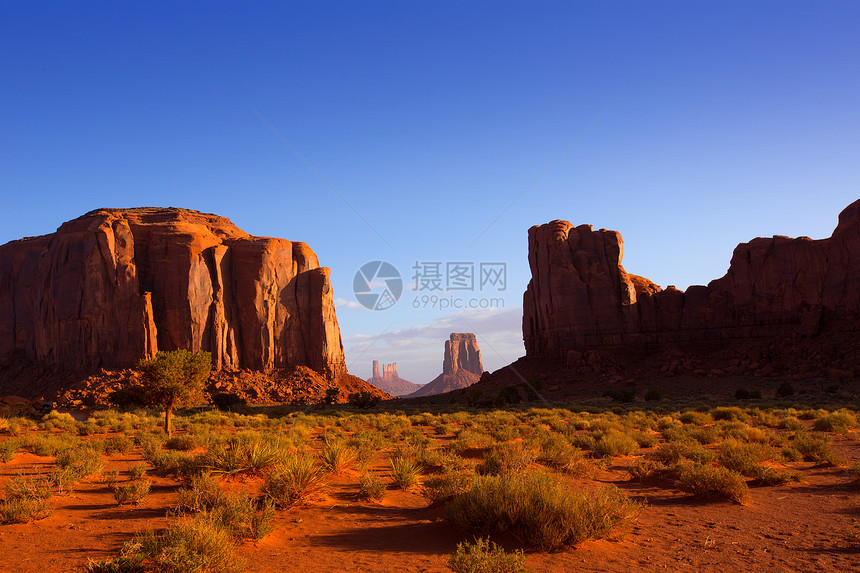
x=294 y=482
x=405 y=471
x=336 y=456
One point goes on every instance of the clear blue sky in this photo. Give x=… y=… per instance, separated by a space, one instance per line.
x=694 y=126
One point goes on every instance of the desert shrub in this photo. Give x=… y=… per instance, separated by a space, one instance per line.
x=28 y=487
x=49 y=445
x=785 y=389
x=558 y=453
x=539 y=510
x=675 y=452
x=183 y=443
x=366 y=444
x=137 y=471
x=197 y=544
x=484 y=556
x=729 y=413
x=744 y=394
x=133 y=492
x=746 y=459
x=705 y=434
x=405 y=471
x=227 y=401
x=242 y=516
x=835 y=422
x=613 y=443
x=8 y=449
x=646 y=468
x=468 y=440
x=336 y=456
x=653 y=395
x=792 y=423
x=294 y=482
x=645 y=440
x=363 y=400
x=855 y=473
x=59 y=421
x=508 y=457
x=177 y=464
x=118 y=444
x=244 y=454
x=620 y=395
x=79 y=463
x=707 y=481
x=445 y=486
x=23 y=510
x=813 y=447
x=370 y=486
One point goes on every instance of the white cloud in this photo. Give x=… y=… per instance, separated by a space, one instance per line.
x=418 y=349
x=343 y=303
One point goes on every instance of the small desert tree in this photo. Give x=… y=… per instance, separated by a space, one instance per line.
x=174 y=378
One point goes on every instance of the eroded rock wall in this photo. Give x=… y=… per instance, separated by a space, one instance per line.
x=117 y=285
x=580 y=297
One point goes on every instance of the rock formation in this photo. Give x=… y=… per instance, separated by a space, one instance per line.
x=389 y=381
x=580 y=299
x=117 y=285
x=461 y=366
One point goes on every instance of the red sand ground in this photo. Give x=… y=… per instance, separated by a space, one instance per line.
x=801 y=527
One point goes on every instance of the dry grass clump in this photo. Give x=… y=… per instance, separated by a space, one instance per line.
x=132 y=493
x=674 y=452
x=194 y=544
x=746 y=459
x=371 y=487
x=540 y=510
x=505 y=458
x=810 y=448
x=484 y=556
x=710 y=481
x=294 y=482
x=26 y=500
x=336 y=456
x=836 y=422
x=244 y=454
x=405 y=471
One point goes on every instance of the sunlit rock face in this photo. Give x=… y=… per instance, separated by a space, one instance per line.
x=118 y=285
x=580 y=298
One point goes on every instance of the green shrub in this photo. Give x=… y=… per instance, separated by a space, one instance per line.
x=364 y=400
x=540 y=510
x=8 y=449
x=484 y=556
x=294 y=483
x=653 y=395
x=242 y=516
x=785 y=389
x=746 y=459
x=133 y=492
x=183 y=443
x=706 y=481
x=227 y=401
x=79 y=463
x=445 y=486
x=729 y=413
x=620 y=395
x=371 y=487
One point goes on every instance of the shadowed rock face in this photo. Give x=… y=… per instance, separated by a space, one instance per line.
x=580 y=298
x=461 y=366
x=117 y=285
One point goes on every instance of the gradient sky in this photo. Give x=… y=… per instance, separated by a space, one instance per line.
x=438 y=131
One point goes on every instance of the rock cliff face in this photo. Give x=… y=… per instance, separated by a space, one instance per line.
x=461 y=366
x=389 y=381
x=580 y=298
x=117 y=285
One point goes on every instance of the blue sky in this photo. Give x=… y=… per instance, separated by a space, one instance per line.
x=687 y=126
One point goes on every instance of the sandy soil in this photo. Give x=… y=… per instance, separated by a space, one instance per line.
x=809 y=526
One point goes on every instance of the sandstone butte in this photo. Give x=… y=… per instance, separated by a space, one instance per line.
x=389 y=381
x=800 y=293
x=117 y=285
x=461 y=366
